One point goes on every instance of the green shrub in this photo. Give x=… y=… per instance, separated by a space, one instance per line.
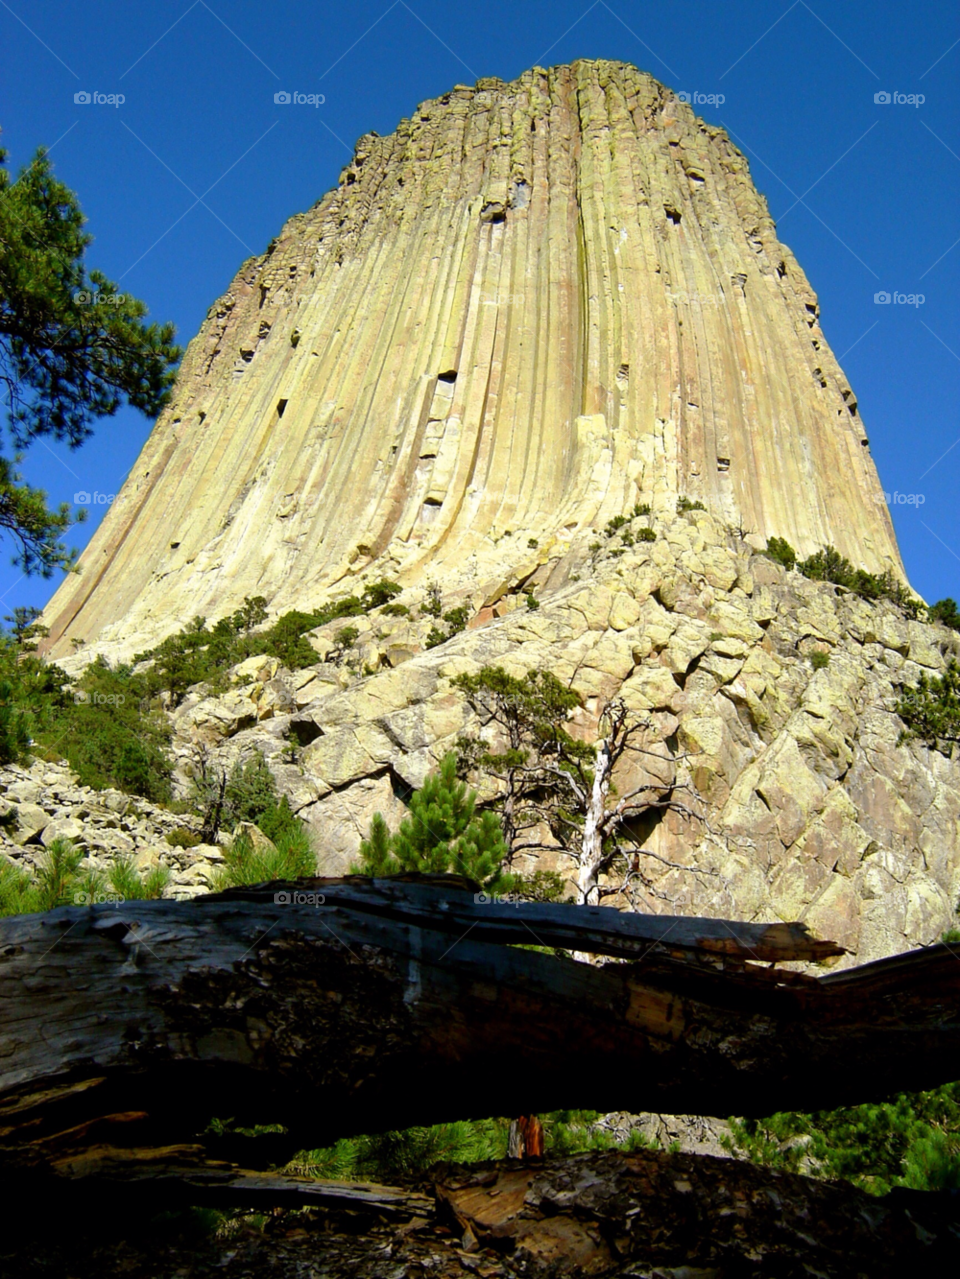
x=390 y=1156
x=780 y=550
x=532 y=602
x=58 y=881
x=819 y=659
x=31 y=691
x=128 y=883
x=642 y=508
x=292 y=857
x=532 y=543
x=615 y=525
x=646 y=535
x=17 y=892
x=828 y=565
x=285 y=639
x=931 y=709
x=395 y=610
x=457 y=619
x=932 y=1163
x=250 y=614
x=442 y=832
x=688 y=504
x=377 y=594
x=199 y=655
x=946 y=612
x=435 y=636
x=110 y=733
x=14 y=727
x=182 y=838
x=913 y=1140
x=57 y=878
x=251 y=796
x=433 y=605
x=345 y=638
x=540 y=886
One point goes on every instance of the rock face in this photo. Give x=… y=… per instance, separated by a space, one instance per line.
x=531 y=307
x=810 y=809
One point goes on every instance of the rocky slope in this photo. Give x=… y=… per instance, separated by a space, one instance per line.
x=808 y=808
x=45 y=802
x=530 y=307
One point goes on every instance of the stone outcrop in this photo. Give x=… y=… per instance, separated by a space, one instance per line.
x=45 y=802
x=532 y=306
x=810 y=808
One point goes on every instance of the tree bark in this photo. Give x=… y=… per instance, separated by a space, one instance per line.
x=610 y=1214
x=525 y=1139
x=591 y=847
x=125 y=1029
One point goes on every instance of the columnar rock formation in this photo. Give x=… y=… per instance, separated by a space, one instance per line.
x=531 y=307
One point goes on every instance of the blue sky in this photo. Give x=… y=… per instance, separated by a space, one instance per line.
x=199 y=168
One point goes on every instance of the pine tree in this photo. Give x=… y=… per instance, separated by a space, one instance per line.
x=72 y=349
x=442 y=833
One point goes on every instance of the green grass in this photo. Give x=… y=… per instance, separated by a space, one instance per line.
x=913 y=1140
x=292 y=858
x=389 y=1156
x=411 y=1152
x=59 y=881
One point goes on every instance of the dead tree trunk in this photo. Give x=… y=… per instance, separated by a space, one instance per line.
x=591 y=847
x=609 y=1214
x=334 y=1007
x=525 y=1139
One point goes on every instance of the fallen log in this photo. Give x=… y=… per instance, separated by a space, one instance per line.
x=125 y=1029
x=648 y=1213
x=451 y=904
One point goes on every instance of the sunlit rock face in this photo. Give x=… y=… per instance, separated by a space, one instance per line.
x=531 y=307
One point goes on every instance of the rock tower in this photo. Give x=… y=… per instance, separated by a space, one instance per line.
x=531 y=307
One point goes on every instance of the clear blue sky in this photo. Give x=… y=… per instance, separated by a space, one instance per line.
x=865 y=194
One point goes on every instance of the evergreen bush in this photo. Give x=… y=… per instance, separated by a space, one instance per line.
x=931 y=709
x=442 y=833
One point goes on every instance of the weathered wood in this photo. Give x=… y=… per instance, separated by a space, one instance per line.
x=451 y=904
x=125 y=1029
x=611 y=1214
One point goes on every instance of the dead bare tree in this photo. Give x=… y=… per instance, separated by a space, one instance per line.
x=210 y=786
x=588 y=796
x=607 y=835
